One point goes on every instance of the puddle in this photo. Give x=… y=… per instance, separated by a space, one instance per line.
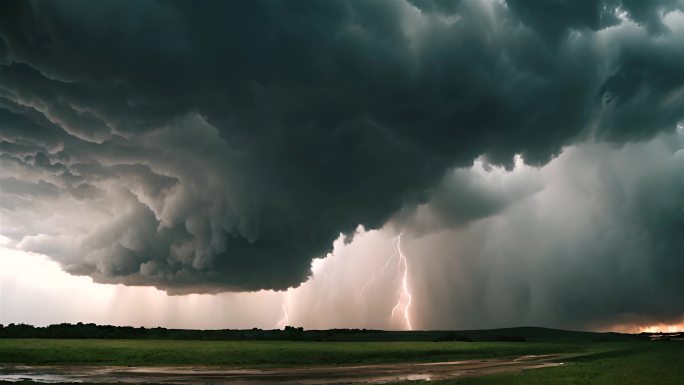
x=374 y=374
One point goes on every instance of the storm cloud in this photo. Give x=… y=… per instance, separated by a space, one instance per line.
x=222 y=146
x=596 y=243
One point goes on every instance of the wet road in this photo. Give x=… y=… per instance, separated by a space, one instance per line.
x=377 y=374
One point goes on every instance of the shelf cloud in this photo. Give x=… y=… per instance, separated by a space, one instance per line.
x=222 y=146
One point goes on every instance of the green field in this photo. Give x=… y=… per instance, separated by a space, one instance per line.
x=261 y=353
x=645 y=363
x=619 y=362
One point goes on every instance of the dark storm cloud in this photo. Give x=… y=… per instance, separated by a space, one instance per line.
x=558 y=17
x=235 y=140
x=466 y=195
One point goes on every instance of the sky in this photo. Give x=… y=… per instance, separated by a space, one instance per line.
x=397 y=164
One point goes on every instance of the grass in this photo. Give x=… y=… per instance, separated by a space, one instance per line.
x=625 y=363
x=644 y=363
x=258 y=353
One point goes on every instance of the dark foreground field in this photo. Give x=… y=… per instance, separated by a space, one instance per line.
x=587 y=360
x=645 y=363
x=266 y=353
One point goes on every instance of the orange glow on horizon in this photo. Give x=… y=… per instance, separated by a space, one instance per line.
x=654 y=328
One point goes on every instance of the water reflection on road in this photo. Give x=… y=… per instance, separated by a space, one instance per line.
x=377 y=374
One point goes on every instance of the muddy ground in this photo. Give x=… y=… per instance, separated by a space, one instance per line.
x=377 y=374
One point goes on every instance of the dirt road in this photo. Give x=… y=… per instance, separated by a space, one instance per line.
x=376 y=374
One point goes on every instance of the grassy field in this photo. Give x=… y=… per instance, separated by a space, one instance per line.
x=645 y=363
x=260 y=353
x=640 y=362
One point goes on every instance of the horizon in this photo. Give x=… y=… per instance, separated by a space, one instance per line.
x=301 y=329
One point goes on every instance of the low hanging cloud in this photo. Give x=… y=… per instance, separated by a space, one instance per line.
x=599 y=244
x=222 y=146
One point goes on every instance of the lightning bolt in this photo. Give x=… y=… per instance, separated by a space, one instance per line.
x=404 y=302
x=375 y=276
x=285 y=321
